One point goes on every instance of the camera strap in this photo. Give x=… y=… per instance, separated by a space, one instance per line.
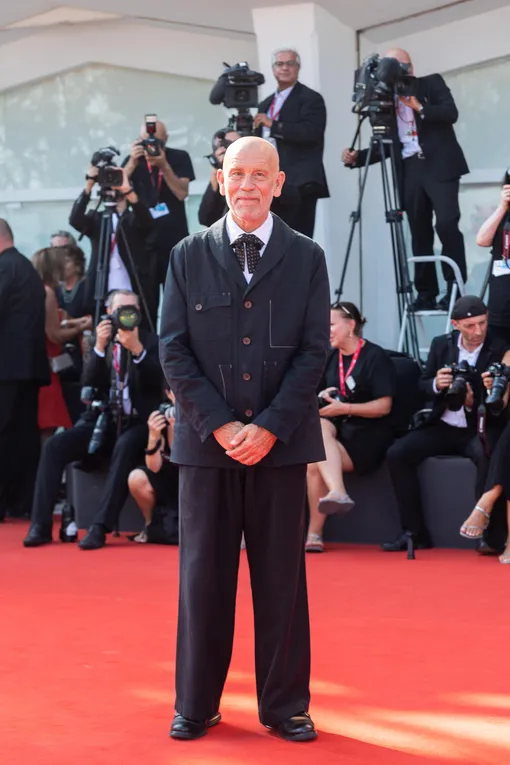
x=341 y=374
x=151 y=176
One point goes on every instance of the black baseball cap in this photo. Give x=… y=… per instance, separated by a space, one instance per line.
x=467 y=307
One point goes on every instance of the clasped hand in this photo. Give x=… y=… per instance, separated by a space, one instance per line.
x=335 y=408
x=247 y=444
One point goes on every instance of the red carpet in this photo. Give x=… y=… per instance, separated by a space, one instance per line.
x=410 y=660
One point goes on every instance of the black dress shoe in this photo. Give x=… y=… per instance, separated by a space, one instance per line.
x=401 y=543
x=94 y=539
x=297 y=728
x=37 y=536
x=423 y=303
x=187 y=730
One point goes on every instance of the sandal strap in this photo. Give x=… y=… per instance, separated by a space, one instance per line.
x=484 y=512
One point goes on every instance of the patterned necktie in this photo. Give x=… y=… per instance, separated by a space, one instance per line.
x=248 y=245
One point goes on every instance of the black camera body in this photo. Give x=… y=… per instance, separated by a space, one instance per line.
x=376 y=84
x=335 y=395
x=237 y=88
x=500 y=374
x=463 y=374
x=216 y=144
x=167 y=410
x=152 y=145
x=109 y=174
x=124 y=317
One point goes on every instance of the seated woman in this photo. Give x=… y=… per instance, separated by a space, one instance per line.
x=357 y=430
x=492 y=234
x=497 y=485
x=156 y=484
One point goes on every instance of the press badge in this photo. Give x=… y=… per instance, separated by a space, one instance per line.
x=351 y=383
x=500 y=268
x=160 y=210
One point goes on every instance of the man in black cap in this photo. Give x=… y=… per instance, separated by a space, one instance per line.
x=448 y=430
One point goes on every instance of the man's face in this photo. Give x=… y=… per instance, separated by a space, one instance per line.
x=122 y=300
x=286 y=69
x=250 y=178
x=473 y=330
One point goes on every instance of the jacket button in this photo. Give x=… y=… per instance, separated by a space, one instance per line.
x=246 y=341
x=247 y=376
x=249 y=413
x=198 y=307
x=248 y=304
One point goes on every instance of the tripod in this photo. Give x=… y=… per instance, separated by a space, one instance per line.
x=381 y=145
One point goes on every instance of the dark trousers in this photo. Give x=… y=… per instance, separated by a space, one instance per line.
x=499 y=475
x=425 y=197
x=72 y=445
x=19 y=446
x=300 y=216
x=408 y=452
x=216 y=505
x=499 y=333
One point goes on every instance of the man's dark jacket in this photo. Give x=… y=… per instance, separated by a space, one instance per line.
x=444 y=158
x=444 y=351
x=22 y=321
x=299 y=133
x=249 y=352
x=133 y=226
x=145 y=379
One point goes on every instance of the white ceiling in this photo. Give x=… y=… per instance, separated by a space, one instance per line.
x=380 y=19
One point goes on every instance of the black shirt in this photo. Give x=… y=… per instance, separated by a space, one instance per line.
x=171 y=228
x=499 y=286
x=72 y=301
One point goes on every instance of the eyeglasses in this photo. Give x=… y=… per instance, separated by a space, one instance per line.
x=281 y=64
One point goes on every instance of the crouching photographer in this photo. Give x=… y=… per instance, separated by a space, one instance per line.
x=489 y=521
x=123 y=380
x=213 y=205
x=155 y=486
x=355 y=402
x=453 y=381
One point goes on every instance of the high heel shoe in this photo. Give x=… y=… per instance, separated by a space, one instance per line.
x=477 y=529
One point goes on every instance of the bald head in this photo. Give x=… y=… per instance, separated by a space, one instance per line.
x=401 y=55
x=161 y=131
x=249 y=179
x=6 y=237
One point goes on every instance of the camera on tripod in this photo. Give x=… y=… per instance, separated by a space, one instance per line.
x=109 y=175
x=124 y=317
x=500 y=374
x=463 y=374
x=151 y=144
x=376 y=84
x=237 y=88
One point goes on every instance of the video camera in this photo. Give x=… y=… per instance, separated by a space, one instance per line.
x=109 y=174
x=463 y=374
x=124 y=317
x=152 y=145
x=237 y=88
x=376 y=84
x=500 y=374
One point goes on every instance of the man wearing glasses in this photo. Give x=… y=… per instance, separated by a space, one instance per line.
x=294 y=120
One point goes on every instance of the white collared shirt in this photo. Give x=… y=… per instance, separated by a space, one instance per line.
x=458 y=419
x=407 y=130
x=263 y=232
x=278 y=101
x=118 y=277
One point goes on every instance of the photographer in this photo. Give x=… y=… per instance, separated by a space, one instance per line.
x=294 y=120
x=140 y=389
x=355 y=403
x=130 y=266
x=488 y=523
x=430 y=163
x=156 y=485
x=213 y=205
x=451 y=428
x=495 y=233
x=162 y=183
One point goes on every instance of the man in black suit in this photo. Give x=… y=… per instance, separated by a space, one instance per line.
x=430 y=163
x=142 y=394
x=244 y=340
x=23 y=369
x=131 y=266
x=294 y=120
x=446 y=432
x=213 y=205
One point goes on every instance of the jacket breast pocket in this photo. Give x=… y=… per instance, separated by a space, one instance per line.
x=210 y=316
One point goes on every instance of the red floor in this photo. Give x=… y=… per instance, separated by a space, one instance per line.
x=410 y=660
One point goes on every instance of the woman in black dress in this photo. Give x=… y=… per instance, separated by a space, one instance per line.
x=357 y=430
x=492 y=234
